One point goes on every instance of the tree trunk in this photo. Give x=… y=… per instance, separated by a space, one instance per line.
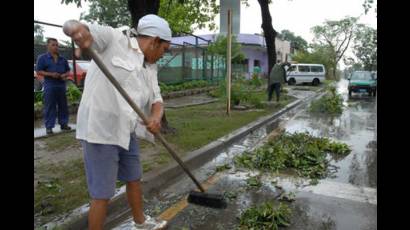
x=269 y=32
x=138 y=9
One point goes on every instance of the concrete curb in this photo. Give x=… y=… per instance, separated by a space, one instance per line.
x=155 y=180
x=192 y=104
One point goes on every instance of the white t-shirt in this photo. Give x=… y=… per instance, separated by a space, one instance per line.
x=104 y=117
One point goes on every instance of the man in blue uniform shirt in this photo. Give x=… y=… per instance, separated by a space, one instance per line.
x=55 y=70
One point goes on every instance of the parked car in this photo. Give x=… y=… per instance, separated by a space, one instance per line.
x=81 y=72
x=362 y=81
x=306 y=73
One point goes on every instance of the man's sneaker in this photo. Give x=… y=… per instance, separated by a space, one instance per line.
x=49 y=131
x=151 y=224
x=65 y=127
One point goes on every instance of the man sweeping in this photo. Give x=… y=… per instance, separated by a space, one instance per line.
x=106 y=125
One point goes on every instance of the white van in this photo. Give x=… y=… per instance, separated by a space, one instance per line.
x=305 y=73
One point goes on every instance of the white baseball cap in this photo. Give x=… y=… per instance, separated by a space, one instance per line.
x=154 y=26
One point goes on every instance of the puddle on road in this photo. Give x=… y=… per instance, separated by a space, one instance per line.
x=356 y=126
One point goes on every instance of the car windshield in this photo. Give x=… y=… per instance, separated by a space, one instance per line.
x=361 y=76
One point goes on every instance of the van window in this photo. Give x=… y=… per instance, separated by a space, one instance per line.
x=303 y=68
x=292 y=68
x=316 y=69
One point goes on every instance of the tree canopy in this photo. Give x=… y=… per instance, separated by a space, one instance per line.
x=182 y=15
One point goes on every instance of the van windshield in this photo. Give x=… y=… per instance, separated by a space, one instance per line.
x=292 y=68
x=361 y=76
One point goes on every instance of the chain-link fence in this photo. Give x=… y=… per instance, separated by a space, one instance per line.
x=185 y=62
x=189 y=62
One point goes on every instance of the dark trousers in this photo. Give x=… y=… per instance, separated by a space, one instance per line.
x=55 y=104
x=271 y=88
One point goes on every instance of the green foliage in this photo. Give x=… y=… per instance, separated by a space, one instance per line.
x=38 y=105
x=113 y=13
x=73 y=93
x=254 y=182
x=188 y=15
x=241 y=92
x=300 y=151
x=256 y=101
x=38 y=96
x=331 y=103
x=338 y=148
x=265 y=216
x=255 y=81
x=365 y=47
x=182 y=16
x=223 y=167
x=230 y=195
x=38 y=34
x=182 y=86
x=336 y=36
x=219 y=47
x=238 y=93
x=296 y=41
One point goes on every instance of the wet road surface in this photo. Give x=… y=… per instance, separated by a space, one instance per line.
x=346 y=200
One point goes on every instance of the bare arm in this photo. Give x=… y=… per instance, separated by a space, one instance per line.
x=54 y=75
x=95 y=36
x=154 y=120
x=64 y=75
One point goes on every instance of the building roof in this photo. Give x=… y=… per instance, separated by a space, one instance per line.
x=248 y=39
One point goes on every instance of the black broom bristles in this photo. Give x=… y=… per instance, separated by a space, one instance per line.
x=207 y=199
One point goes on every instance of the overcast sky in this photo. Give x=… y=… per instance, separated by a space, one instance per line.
x=297 y=16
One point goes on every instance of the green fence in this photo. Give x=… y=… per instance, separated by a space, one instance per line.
x=188 y=62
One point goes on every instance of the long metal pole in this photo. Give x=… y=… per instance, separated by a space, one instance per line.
x=74 y=64
x=228 y=66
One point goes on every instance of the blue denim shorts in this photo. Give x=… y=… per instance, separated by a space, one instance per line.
x=104 y=164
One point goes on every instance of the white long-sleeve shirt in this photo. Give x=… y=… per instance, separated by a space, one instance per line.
x=104 y=117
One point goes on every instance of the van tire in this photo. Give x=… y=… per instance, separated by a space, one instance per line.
x=315 y=82
x=292 y=81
